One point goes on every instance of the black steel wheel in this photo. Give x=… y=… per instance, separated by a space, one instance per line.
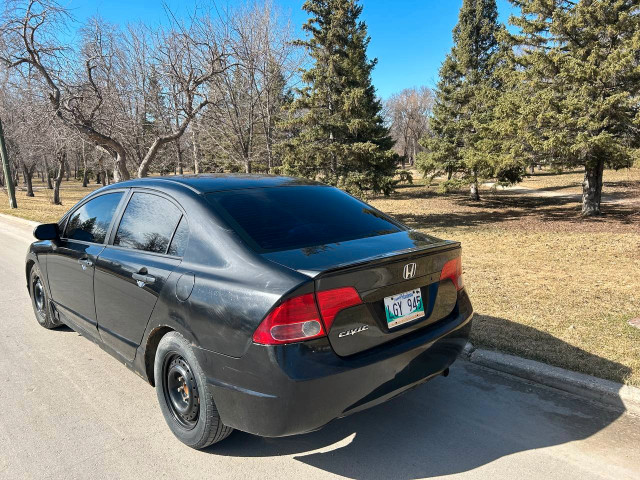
x=40 y=299
x=184 y=395
x=181 y=390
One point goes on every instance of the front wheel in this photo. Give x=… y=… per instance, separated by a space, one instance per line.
x=184 y=395
x=40 y=300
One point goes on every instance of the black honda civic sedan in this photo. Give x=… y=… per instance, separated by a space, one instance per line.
x=267 y=304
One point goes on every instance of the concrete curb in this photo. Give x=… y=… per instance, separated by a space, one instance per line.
x=616 y=395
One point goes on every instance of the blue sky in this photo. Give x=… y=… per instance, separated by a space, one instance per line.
x=410 y=38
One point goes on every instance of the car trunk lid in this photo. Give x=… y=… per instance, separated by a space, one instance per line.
x=379 y=267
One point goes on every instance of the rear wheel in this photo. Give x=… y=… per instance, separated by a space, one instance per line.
x=184 y=395
x=40 y=300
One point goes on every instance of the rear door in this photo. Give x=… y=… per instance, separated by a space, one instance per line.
x=135 y=267
x=70 y=264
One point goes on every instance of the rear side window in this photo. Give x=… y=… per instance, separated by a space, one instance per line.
x=284 y=218
x=180 y=238
x=91 y=221
x=148 y=223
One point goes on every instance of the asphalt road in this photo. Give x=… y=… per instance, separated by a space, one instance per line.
x=69 y=410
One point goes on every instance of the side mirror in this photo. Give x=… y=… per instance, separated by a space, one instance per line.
x=47 y=231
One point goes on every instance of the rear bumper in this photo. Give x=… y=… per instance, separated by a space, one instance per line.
x=276 y=391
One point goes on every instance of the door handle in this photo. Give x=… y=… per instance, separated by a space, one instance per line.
x=85 y=263
x=143 y=280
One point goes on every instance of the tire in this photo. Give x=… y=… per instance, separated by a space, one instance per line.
x=184 y=395
x=40 y=300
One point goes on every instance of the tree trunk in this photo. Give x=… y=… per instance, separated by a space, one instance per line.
x=121 y=173
x=269 y=148
x=58 y=179
x=48 y=173
x=414 y=152
x=98 y=177
x=196 y=160
x=592 y=189
x=143 y=169
x=116 y=172
x=179 y=159
x=85 y=176
x=474 y=191
x=449 y=173
x=28 y=178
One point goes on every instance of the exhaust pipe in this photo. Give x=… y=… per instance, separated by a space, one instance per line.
x=445 y=372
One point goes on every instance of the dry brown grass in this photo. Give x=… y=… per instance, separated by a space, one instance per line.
x=571 y=181
x=545 y=283
x=40 y=208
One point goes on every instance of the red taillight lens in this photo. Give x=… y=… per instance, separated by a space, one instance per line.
x=453 y=270
x=298 y=319
x=294 y=320
x=332 y=301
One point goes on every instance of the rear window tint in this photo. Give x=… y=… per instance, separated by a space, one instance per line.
x=285 y=218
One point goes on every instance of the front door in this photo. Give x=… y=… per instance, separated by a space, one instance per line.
x=70 y=264
x=131 y=273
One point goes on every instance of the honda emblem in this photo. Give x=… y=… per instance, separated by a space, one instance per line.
x=409 y=271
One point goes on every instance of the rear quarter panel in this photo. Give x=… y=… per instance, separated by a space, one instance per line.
x=222 y=290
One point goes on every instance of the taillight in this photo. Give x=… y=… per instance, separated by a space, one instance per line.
x=453 y=270
x=294 y=320
x=298 y=319
x=332 y=301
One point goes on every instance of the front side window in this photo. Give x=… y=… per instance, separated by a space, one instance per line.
x=90 y=222
x=148 y=223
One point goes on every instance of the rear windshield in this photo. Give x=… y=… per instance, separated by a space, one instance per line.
x=285 y=218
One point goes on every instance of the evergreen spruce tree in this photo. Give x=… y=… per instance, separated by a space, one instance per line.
x=459 y=141
x=573 y=98
x=340 y=136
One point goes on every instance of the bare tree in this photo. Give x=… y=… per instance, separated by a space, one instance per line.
x=28 y=121
x=240 y=124
x=90 y=89
x=408 y=113
x=279 y=66
x=187 y=59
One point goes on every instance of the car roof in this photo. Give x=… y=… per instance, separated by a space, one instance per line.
x=212 y=182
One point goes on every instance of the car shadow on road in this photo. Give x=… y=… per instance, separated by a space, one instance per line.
x=444 y=427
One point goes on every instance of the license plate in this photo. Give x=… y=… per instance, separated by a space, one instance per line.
x=403 y=308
